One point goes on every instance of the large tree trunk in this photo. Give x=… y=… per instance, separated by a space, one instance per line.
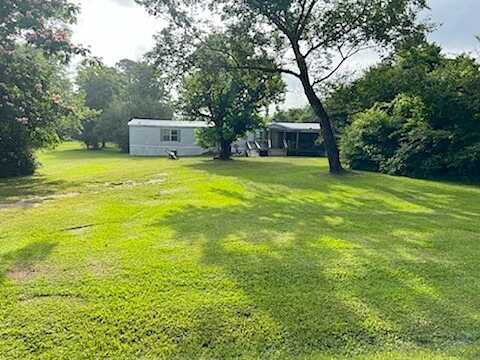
x=225 y=150
x=327 y=131
x=328 y=136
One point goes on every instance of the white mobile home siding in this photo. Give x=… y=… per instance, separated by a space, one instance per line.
x=146 y=138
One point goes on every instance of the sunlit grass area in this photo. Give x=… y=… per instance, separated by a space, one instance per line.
x=107 y=256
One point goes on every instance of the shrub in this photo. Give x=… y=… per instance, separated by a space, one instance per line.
x=437 y=136
x=467 y=161
x=90 y=134
x=370 y=140
x=397 y=138
x=16 y=157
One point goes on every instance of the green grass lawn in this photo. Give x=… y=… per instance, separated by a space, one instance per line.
x=107 y=256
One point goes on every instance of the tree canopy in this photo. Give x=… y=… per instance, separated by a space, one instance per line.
x=311 y=39
x=444 y=95
x=130 y=89
x=34 y=47
x=300 y=115
x=227 y=97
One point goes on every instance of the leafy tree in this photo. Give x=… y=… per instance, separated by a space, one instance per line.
x=130 y=89
x=449 y=88
x=144 y=95
x=300 y=115
x=141 y=81
x=114 y=121
x=374 y=136
x=37 y=104
x=116 y=117
x=71 y=127
x=41 y=24
x=34 y=45
x=229 y=98
x=90 y=132
x=404 y=71
x=312 y=38
x=399 y=138
x=100 y=85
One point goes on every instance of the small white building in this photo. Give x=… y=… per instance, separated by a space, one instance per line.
x=157 y=137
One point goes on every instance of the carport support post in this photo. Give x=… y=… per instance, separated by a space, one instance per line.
x=298 y=138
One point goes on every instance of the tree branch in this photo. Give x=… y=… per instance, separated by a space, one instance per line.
x=267 y=70
x=344 y=58
x=270 y=15
x=302 y=13
x=303 y=22
x=346 y=30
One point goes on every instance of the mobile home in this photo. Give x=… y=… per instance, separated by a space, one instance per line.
x=158 y=137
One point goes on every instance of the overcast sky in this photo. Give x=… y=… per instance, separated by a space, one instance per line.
x=118 y=29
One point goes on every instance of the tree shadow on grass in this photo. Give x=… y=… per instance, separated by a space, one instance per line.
x=21 y=264
x=110 y=153
x=449 y=199
x=81 y=153
x=341 y=273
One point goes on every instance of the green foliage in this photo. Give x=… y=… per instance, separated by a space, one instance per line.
x=207 y=138
x=99 y=86
x=397 y=138
x=114 y=123
x=130 y=89
x=404 y=72
x=323 y=29
x=367 y=142
x=41 y=24
x=299 y=115
x=307 y=39
x=32 y=111
x=143 y=95
x=34 y=93
x=16 y=157
x=444 y=143
x=231 y=99
x=70 y=126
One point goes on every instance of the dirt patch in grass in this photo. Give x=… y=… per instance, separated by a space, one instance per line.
x=70 y=299
x=25 y=272
x=35 y=201
x=168 y=192
x=99 y=268
x=129 y=183
x=21 y=273
x=21 y=204
x=156 y=179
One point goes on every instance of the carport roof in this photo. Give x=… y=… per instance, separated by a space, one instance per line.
x=290 y=126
